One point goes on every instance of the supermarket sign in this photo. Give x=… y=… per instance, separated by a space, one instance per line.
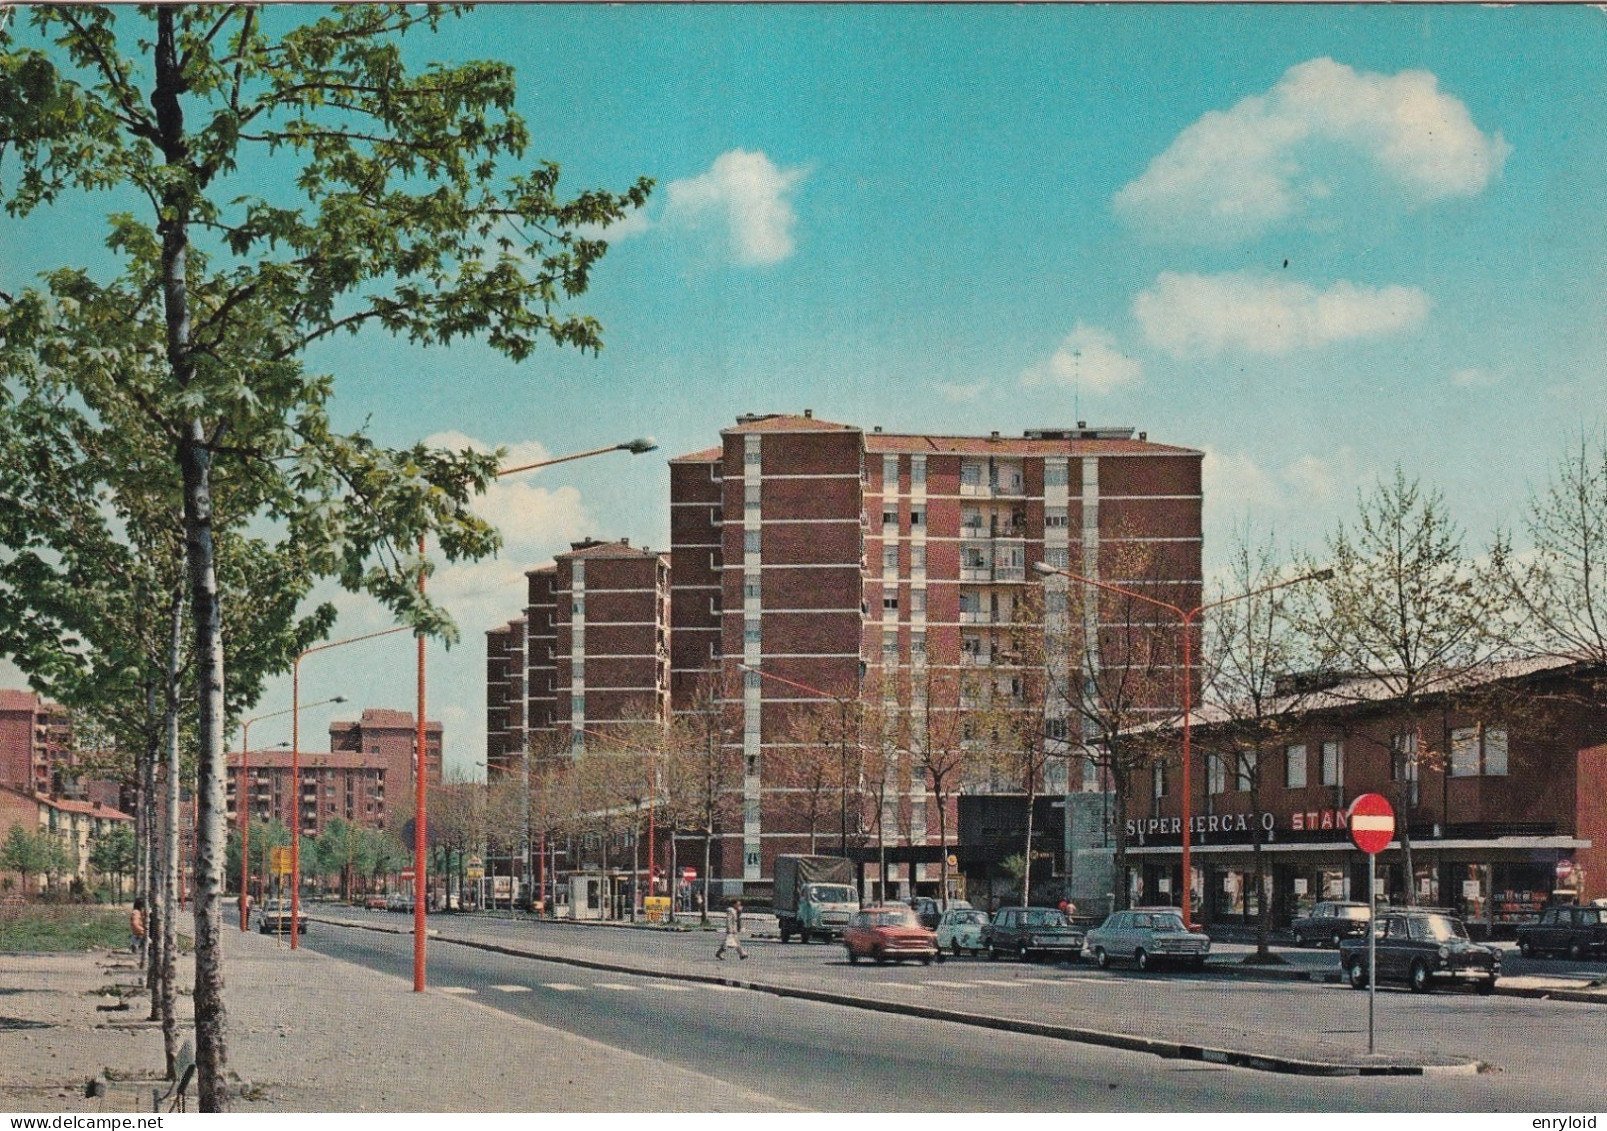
x=1142 y=830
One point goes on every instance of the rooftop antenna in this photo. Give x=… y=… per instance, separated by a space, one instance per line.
x=1076 y=384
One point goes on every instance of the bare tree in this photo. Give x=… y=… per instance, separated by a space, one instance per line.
x=706 y=771
x=811 y=772
x=1405 y=607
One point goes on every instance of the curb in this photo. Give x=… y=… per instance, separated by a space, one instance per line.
x=1168 y=1050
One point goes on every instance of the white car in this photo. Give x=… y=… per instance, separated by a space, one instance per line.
x=1146 y=936
x=959 y=931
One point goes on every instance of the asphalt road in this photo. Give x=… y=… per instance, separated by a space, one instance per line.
x=837 y=1058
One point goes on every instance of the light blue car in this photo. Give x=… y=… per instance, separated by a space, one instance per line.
x=959 y=931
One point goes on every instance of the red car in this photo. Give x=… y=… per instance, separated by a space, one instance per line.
x=888 y=934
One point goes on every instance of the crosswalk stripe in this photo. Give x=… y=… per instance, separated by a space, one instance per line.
x=512 y=989
x=614 y=986
x=562 y=986
x=457 y=990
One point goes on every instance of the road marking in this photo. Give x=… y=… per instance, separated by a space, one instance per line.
x=987 y=982
x=671 y=987
x=898 y=985
x=457 y=990
x=726 y=989
x=512 y=989
x=950 y=985
x=614 y=986
x=562 y=986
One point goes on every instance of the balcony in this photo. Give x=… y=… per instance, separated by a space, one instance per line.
x=976 y=616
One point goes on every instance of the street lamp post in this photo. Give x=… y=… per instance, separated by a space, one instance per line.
x=1186 y=619
x=241 y=798
x=295 y=769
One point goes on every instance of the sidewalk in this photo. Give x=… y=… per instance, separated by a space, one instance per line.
x=308 y=1033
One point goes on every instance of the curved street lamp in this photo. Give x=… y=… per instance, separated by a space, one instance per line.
x=1185 y=619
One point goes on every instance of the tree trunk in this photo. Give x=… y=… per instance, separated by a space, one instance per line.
x=168 y=975
x=1119 y=887
x=148 y=857
x=708 y=846
x=1026 y=862
x=943 y=848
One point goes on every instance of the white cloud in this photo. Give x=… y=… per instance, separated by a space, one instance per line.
x=1233 y=174
x=1087 y=359
x=1237 y=483
x=743 y=203
x=1186 y=314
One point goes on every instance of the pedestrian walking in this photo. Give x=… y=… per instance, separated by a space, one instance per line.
x=733 y=931
x=136 y=928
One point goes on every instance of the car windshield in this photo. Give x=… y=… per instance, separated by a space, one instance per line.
x=1441 y=928
x=1353 y=913
x=899 y=917
x=1165 y=922
x=832 y=893
x=1044 y=917
x=958 y=917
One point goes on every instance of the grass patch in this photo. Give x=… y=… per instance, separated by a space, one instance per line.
x=40 y=928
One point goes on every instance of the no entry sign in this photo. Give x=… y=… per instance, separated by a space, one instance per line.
x=1372 y=823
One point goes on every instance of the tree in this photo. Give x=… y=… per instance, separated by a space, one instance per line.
x=1405 y=607
x=399 y=218
x=813 y=770
x=113 y=852
x=33 y=854
x=707 y=769
x=1559 y=589
x=1251 y=641
x=939 y=751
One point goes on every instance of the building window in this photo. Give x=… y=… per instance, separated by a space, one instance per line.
x=970 y=475
x=917 y=516
x=750 y=541
x=1057 y=556
x=917 y=558
x=1054 y=727
x=890 y=602
x=750 y=588
x=889 y=518
x=1054 y=473
x=890 y=559
x=1216 y=778
x=890 y=471
x=1495 y=751
x=1464 y=752
x=918 y=471
x=750 y=632
x=750 y=493
x=1333 y=763
x=1294 y=767
x=889 y=646
x=917 y=600
x=1054 y=517
x=1246 y=771
x=918 y=646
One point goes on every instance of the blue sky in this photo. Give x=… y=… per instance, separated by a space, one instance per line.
x=1312 y=241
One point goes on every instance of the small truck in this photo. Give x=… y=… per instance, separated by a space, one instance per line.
x=814 y=896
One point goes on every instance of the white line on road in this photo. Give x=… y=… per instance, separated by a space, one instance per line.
x=512 y=989
x=562 y=986
x=898 y=985
x=671 y=987
x=726 y=989
x=457 y=990
x=950 y=985
x=614 y=986
x=987 y=982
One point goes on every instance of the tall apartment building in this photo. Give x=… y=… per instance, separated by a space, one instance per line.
x=389 y=737
x=816 y=563
x=347 y=785
x=35 y=744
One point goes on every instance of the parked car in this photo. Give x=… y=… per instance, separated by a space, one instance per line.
x=398 y=901
x=1574 y=931
x=274 y=918
x=1422 y=948
x=930 y=910
x=1330 y=922
x=961 y=929
x=888 y=934
x=1032 y=932
x=1146 y=936
x=373 y=903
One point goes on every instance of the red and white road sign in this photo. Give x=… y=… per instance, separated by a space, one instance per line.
x=1372 y=823
x=688 y=874
x=1565 y=869
x=407 y=875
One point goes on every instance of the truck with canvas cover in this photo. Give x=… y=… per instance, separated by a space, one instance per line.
x=814 y=896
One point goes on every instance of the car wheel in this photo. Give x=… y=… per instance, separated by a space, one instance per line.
x=1358 y=974
x=926 y=959
x=993 y=953
x=955 y=947
x=1023 y=953
x=1197 y=964
x=1486 y=987
x=1526 y=948
x=1575 y=951
x=853 y=959
x=1141 y=959
x=881 y=959
x=1334 y=942
x=940 y=956
x=786 y=936
x=1101 y=959
x=1420 y=982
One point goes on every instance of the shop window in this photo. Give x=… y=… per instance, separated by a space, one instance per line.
x=1495 y=751
x=1216 y=777
x=1464 y=752
x=1294 y=767
x=1246 y=771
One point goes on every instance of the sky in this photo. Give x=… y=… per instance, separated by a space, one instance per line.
x=1315 y=242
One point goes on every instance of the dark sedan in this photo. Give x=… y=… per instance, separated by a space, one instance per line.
x=1422 y=949
x=1031 y=932
x=1330 y=922
x=1574 y=931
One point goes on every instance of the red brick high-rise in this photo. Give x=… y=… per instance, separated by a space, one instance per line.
x=818 y=563
x=390 y=737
